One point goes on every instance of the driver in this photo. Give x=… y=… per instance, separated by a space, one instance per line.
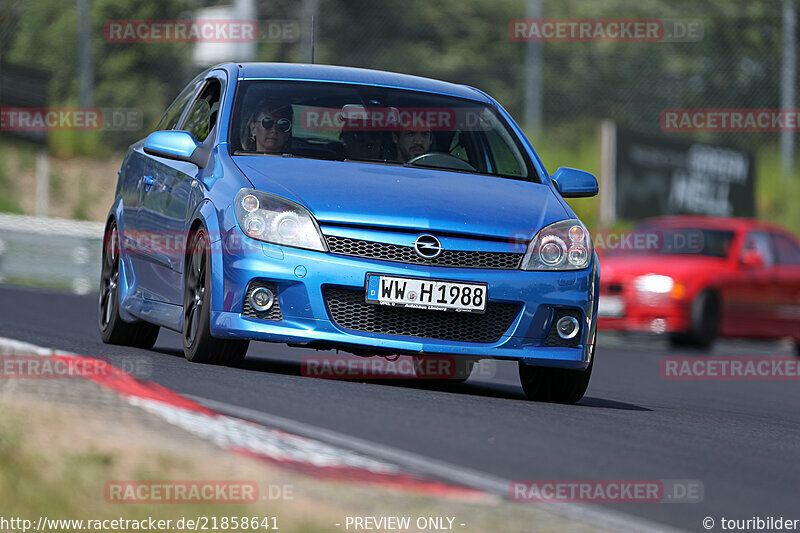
x=411 y=144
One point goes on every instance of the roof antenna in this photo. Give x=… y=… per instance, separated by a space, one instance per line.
x=312 y=38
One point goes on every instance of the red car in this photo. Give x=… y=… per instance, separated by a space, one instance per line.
x=699 y=278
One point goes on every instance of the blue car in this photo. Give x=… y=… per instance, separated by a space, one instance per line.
x=346 y=209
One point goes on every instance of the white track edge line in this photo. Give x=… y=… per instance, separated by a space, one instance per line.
x=609 y=519
x=497 y=486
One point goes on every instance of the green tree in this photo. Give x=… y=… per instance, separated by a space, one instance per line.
x=144 y=76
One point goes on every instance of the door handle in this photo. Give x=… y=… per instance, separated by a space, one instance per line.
x=148 y=182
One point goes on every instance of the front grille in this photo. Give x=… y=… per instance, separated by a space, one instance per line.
x=406 y=254
x=348 y=310
x=273 y=313
x=553 y=339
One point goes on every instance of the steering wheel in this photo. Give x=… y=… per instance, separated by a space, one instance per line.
x=441 y=160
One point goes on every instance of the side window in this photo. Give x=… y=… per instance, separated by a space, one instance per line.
x=464 y=145
x=788 y=251
x=203 y=114
x=457 y=149
x=173 y=114
x=504 y=159
x=760 y=241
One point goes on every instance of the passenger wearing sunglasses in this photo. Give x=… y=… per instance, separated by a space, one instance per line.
x=270 y=129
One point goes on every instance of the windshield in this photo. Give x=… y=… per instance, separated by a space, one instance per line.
x=655 y=240
x=374 y=124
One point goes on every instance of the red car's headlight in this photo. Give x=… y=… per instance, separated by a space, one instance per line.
x=655 y=283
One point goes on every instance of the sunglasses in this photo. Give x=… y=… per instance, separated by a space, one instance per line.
x=282 y=124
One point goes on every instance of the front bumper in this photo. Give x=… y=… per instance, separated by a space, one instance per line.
x=300 y=277
x=641 y=315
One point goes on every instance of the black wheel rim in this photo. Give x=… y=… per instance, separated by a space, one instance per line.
x=194 y=296
x=109 y=277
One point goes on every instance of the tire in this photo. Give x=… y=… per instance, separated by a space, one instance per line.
x=555 y=385
x=437 y=368
x=114 y=330
x=198 y=344
x=703 y=324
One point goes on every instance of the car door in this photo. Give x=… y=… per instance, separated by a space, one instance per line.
x=787 y=251
x=165 y=203
x=137 y=185
x=749 y=294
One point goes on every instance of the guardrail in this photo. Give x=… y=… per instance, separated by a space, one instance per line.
x=51 y=252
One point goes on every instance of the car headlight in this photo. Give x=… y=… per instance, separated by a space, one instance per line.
x=654 y=283
x=564 y=245
x=272 y=219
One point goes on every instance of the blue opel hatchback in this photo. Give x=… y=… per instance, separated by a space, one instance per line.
x=339 y=208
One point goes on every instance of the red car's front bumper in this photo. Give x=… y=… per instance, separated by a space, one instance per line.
x=642 y=312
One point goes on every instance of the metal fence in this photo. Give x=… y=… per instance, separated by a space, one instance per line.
x=50 y=252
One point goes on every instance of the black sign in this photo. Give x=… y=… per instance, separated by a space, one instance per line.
x=24 y=87
x=669 y=177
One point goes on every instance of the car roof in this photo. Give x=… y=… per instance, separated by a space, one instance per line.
x=337 y=74
x=725 y=223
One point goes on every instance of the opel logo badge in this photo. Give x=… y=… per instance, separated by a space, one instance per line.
x=427 y=246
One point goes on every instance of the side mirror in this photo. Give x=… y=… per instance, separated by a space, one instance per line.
x=573 y=183
x=178 y=145
x=752 y=259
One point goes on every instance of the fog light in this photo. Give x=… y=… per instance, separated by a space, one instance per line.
x=262 y=299
x=567 y=327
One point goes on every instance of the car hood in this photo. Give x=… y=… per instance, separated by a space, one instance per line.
x=410 y=198
x=621 y=266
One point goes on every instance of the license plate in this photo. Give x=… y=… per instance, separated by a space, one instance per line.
x=611 y=306
x=426 y=294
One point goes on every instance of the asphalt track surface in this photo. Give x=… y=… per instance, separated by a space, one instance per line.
x=741 y=439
